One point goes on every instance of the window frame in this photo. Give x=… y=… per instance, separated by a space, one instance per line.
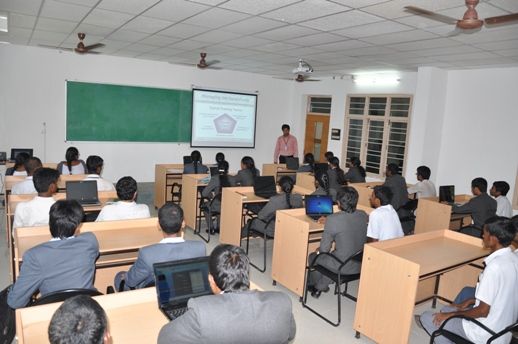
x=387 y=119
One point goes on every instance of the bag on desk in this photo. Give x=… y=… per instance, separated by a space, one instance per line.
x=7 y=326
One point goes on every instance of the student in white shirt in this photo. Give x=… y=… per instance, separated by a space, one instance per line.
x=19 y=165
x=514 y=221
x=36 y=211
x=495 y=304
x=503 y=205
x=384 y=222
x=95 y=165
x=27 y=186
x=72 y=165
x=126 y=208
x=424 y=187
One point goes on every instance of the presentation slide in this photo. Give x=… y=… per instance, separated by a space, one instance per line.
x=223 y=119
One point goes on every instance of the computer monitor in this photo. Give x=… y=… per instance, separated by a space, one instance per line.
x=16 y=151
x=447 y=193
x=292 y=163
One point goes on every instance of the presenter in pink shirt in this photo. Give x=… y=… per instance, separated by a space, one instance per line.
x=286 y=146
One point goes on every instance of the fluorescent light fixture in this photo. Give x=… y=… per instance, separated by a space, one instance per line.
x=3 y=22
x=376 y=79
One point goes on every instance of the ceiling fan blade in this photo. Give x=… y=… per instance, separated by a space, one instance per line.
x=94 y=46
x=501 y=19
x=432 y=15
x=211 y=67
x=311 y=80
x=54 y=47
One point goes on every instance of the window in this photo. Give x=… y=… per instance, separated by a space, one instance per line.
x=377 y=130
x=320 y=105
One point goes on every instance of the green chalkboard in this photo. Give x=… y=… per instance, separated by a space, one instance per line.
x=99 y=112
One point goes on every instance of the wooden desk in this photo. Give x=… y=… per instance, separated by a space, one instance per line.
x=432 y=215
x=393 y=269
x=165 y=176
x=119 y=242
x=306 y=180
x=364 y=192
x=296 y=236
x=11 y=180
x=190 y=205
x=52 y=165
x=277 y=170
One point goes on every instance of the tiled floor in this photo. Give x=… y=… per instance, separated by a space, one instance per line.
x=310 y=328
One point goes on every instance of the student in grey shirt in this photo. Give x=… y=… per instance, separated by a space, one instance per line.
x=322 y=185
x=309 y=163
x=356 y=173
x=397 y=184
x=247 y=174
x=336 y=174
x=196 y=167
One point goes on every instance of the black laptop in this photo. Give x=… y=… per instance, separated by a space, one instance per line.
x=447 y=193
x=318 y=206
x=177 y=281
x=265 y=186
x=83 y=191
x=16 y=151
x=292 y=163
x=187 y=160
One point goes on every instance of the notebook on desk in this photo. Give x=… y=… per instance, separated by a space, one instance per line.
x=318 y=206
x=83 y=191
x=176 y=282
x=447 y=194
x=265 y=186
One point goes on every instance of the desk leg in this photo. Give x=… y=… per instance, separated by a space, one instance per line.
x=436 y=290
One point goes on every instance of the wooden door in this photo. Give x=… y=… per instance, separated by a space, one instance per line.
x=317 y=134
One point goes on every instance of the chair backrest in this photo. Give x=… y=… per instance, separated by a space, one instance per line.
x=62 y=295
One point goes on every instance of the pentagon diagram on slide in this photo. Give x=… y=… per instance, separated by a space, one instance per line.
x=225 y=124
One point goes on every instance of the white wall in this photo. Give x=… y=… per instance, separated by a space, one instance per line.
x=32 y=91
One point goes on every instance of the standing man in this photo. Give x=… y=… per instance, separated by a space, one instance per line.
x=286 y=146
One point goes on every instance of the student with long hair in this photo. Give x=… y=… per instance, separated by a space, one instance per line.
x=212 y=192
x=356 y=173
x=322 y=185
x=309 y=163
x=72 y=163
x=336 y=174
x=247 y=174
x=196 y=166
x=19 y=165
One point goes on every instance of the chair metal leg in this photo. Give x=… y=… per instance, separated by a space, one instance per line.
x=305 y=305
x=198 y=230
x=264 y=253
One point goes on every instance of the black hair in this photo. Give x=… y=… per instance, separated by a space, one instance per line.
x=285 y=126
x=224 y=181
x=196 y=160
x=220 y=157
x=72 y=154
x=230 y=267
x=502 y=228
x=126 y=188
x=249 y=164
x=80 y=319
x=64 y=218
x=393 y=168
x=328 y=155
x=347 y=199
x=340 y=175
x=356 y=162
x=309 y=159
x=383 y=193
x=424 y=172
x=170 y=218
x=20 y=159
x=501 y=186
x=44 y=177
x=31 y=165
x=322 y=178
x=286 y=184
x=479 y=183
x=93 y=163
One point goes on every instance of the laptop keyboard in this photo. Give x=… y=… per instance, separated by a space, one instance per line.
x=175 y=312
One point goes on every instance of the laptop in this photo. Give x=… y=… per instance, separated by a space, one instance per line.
x=83 y=191
x=265 y=186
x=177 y=281
x=447 y=193
x=16 y=151
x=292 y=163
x=318 y=206
x=187 y=160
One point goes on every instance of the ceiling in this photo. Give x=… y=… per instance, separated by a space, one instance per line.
x=268 y=36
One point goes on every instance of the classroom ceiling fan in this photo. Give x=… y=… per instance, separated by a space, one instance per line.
x=204 y=64
x=469 y=21
x=81 y=48
x=302 y=72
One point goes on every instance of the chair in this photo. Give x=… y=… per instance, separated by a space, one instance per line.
x=122 y=284
x=206 y=208
x=441 y=331
x=62 y=295
x=408 y=220
x=176 y=193
x=265 y=236
x=337 y=277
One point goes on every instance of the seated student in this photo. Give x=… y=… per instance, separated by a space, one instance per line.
x=72 y=163
x=322 y=185
x=356 y=173
x=80 y=319
x=284 y=200
x=234 y=314
x=495 y=304
x=424 y=187
x=384 y=223
x=247 y=174
x=36 y=211
x=65 y=262
x=94 y=165
x=481 y=207
x=126 y=208
x=212 y=192
x=397 y=184
x=348 y=230
x=309 y=163
x=336 y=174
x=19 y=165
x=503 y=205
x=172 y=247
x=514 y=221
x=219 y=157
x=328 y=155
x=27 y=186
x=196 y=167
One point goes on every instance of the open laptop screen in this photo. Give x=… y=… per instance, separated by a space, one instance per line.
x=447 y=193
x=16 y=151
x=83 y=191
x=318 y=205
x=264 y=186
